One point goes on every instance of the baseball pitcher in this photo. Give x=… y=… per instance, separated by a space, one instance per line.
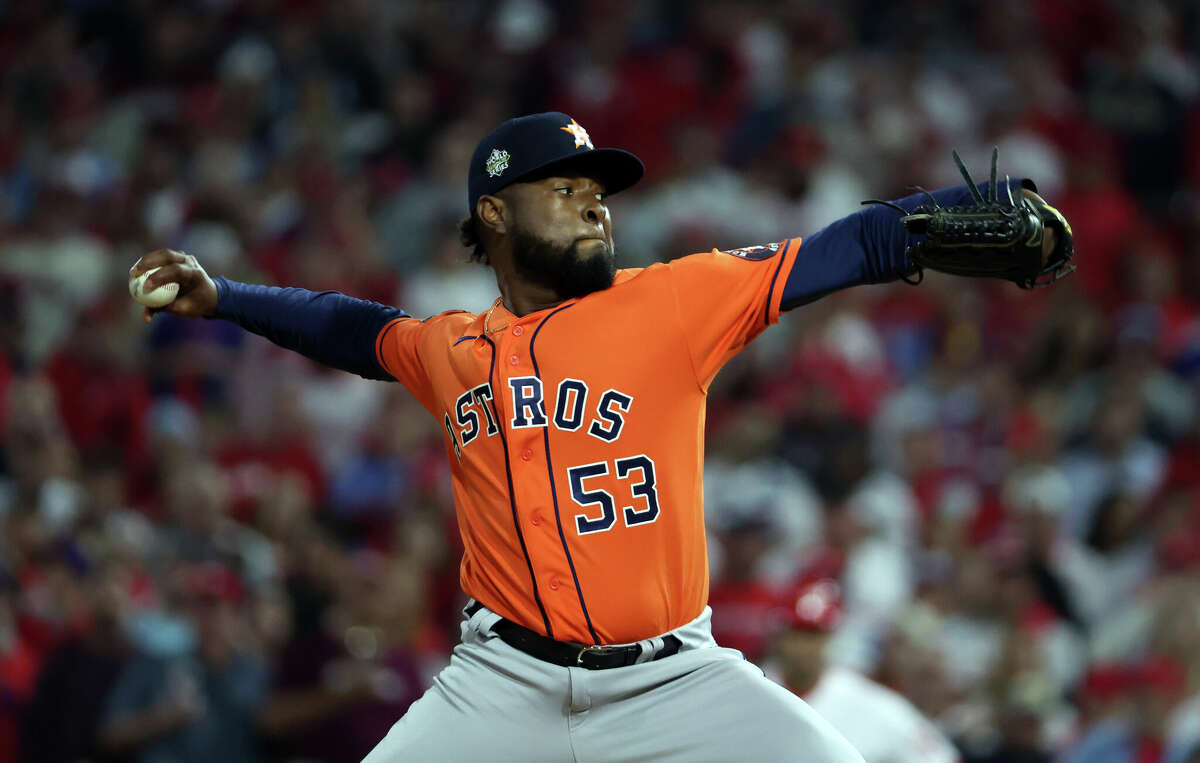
x=573 y=416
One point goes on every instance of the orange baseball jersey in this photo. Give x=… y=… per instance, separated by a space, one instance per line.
x=575 y=437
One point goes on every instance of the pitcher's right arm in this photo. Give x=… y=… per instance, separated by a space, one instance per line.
x=328 y=327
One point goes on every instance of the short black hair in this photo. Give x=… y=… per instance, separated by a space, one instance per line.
x=468 y=234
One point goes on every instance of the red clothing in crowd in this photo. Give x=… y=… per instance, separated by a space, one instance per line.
x=102 y=406
x=254 y=467
x=745 y=614
x=19 y=666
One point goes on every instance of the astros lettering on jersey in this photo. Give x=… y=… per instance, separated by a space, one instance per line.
x=575 y=437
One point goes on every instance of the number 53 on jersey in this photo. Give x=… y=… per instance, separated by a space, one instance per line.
x=570 y=411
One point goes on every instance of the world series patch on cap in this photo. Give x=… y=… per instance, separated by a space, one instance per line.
x=539 y=145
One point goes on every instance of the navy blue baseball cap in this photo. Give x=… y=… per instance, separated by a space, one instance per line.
x=538 y=145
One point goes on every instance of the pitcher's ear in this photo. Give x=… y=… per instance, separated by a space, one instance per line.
x=493 y=213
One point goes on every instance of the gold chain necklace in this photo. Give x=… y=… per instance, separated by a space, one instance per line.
x=487 y=318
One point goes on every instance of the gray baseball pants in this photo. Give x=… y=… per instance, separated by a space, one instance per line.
x=706 y=703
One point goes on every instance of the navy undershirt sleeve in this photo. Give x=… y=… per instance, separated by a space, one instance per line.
x=326 y=326
x=865 y=247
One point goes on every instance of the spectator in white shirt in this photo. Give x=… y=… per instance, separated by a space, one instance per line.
x=882 y=725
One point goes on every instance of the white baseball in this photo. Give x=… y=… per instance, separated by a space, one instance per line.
x=160 y=297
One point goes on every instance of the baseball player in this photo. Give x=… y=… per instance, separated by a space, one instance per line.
x=573 y=415
x=882 y=725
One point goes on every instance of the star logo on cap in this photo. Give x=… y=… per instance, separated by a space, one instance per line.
x=580 y=134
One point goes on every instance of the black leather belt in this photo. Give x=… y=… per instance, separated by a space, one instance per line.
x=570 y=655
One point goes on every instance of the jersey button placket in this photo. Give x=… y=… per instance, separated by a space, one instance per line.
x=526 y=443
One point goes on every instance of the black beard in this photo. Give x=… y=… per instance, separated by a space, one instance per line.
x=562 y=269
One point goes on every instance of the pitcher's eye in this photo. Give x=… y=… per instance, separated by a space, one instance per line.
x=565 y=191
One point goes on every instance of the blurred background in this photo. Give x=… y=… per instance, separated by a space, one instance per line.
x=1005 y=483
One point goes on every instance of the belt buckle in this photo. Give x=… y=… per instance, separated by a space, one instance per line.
x=593 y=649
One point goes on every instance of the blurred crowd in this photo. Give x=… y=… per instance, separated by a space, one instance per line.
x=216 y=550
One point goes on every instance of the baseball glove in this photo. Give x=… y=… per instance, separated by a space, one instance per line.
x=995 y=238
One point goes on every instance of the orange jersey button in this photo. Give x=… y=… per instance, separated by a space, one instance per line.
x=526 y=454
x=518 y=330
x=554 y=584
x=535 y=518
x=513 y=359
